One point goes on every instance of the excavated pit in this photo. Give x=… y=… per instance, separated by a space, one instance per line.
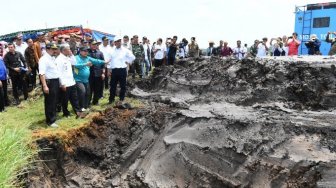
x=207 y=123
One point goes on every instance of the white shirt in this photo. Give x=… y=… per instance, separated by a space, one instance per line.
x=21 y=48
x=106 y=50
x=119 y=57
x=239 y=53
x=160 y=53
x=64 y=65
x=48 y=67
x=261 y=50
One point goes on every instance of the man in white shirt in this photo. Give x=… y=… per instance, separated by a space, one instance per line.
x=106 y=49
x=262 y=48
x=159 y=53
x=239 y=52
x=20 y=45
x=120 y=58
x=67 y=82
x=49 y=75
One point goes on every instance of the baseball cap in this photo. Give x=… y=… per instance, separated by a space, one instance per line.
x=104 y=38
x=84 y=48
x=116 y=38
x=51 y=46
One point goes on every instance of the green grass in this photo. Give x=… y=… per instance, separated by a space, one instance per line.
x=20 y=125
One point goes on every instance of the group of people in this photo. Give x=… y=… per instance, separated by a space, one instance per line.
x=77 y=69
x=281 y=46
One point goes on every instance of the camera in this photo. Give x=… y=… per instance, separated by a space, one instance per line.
x=290 y=37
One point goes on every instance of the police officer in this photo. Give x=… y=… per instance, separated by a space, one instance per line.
x=49 y=76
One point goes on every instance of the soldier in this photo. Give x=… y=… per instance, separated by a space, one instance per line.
x=139 y=53
x=193 y=48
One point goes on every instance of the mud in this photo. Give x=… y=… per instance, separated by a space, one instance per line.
x=207 y=123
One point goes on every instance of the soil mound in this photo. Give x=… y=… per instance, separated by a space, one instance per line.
x=207 y=123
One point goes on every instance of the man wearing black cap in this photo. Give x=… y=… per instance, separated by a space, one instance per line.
x=49 y=75
x=120 y=58
x=17 y=67
x=97 y=74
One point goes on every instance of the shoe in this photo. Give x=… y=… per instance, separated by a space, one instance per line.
x=16 y=102
x=80 y=115
x=54 y=125
x=83 y=110
x=119 y=103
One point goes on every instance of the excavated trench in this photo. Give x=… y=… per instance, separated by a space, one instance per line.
x=207 y=123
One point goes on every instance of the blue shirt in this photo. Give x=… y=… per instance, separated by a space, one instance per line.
x=3 y=72
x=81 y=71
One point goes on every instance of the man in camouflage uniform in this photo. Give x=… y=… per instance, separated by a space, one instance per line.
x=139 y=53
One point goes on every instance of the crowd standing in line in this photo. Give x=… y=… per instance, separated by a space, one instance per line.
x=77 y=69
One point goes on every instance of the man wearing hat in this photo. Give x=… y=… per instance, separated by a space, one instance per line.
x=49 y=75
x=120 y=58
x=211 y=49
x=106 y=49
x=87 y=37
x=313 y=45
x=97 y=74
x=82 y=74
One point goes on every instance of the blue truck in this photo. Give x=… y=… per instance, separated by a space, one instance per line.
x=315 y=19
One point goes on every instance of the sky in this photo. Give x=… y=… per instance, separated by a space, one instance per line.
x=215 y=20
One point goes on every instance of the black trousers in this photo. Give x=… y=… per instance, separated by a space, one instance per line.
x=96 y=89
x=50 y=100
x=136 y=68
x=70 y=94
x=118 y=76
x=158 y=62
x=32 y=77
x=18 y=81
x=4 y=91
x=106 y=80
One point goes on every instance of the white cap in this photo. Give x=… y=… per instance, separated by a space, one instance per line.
x=117 y=38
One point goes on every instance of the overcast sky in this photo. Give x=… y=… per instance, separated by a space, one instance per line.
x=205 y=19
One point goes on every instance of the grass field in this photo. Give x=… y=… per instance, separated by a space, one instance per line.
x=20 y=125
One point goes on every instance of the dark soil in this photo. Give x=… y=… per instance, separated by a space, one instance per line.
x=206 y=123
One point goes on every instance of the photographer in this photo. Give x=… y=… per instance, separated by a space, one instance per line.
x=183 y=50
x=293 y=45
x=313 y=45
x=262 y=48
x=332 y=50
